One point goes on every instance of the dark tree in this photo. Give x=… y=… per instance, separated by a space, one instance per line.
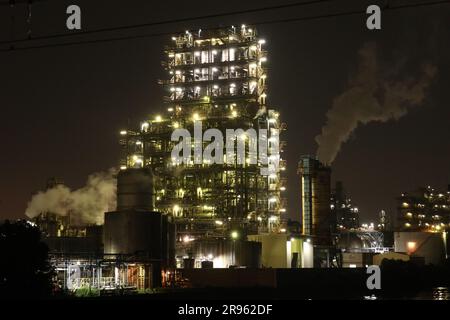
x=25 y=270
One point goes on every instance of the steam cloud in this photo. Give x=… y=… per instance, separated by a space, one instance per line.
x=371 y=96
x=85 y=205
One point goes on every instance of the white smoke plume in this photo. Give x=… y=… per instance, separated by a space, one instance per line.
x=371 y=96
x=86 y=205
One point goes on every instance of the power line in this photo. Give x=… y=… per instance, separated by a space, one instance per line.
x=15 y=2
x=267 y=22
x=172 y=21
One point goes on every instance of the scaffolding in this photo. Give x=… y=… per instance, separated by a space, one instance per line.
x=104 y=274
x=216 y=77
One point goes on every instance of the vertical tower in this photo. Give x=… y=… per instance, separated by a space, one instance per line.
x=315 y=195
x=216 y=79
x=344 y=214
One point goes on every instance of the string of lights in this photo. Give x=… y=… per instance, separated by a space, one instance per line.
x=256 y=23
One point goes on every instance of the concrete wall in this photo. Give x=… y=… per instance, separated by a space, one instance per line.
x=282 y=251
x=303 y=283
x=274 y=249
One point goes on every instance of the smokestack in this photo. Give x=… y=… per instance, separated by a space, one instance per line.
x=371 y=96
x=315 y=196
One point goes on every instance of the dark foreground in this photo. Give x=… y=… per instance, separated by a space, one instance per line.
x=399 y=281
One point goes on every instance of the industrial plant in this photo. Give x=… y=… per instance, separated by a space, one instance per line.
x=424 y=209
x=181 y=219
x=217 y=78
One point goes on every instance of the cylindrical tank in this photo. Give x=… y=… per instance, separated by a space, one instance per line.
x=135 y=189
x=139 y=233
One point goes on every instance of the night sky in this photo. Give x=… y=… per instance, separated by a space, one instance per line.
x=62 y=107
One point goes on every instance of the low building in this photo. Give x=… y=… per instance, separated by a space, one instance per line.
x=218 y=253
x=285 y=251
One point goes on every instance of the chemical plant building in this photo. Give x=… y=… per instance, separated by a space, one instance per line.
x=425 y=209
x=216 y=79
x=193 y=214
x=128 y=252
x=215 y=223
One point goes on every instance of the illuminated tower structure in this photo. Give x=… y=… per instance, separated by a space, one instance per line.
x=315 y=197
x=216 y=78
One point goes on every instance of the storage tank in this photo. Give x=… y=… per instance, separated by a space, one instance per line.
x=149 y=234
x=135 y=189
